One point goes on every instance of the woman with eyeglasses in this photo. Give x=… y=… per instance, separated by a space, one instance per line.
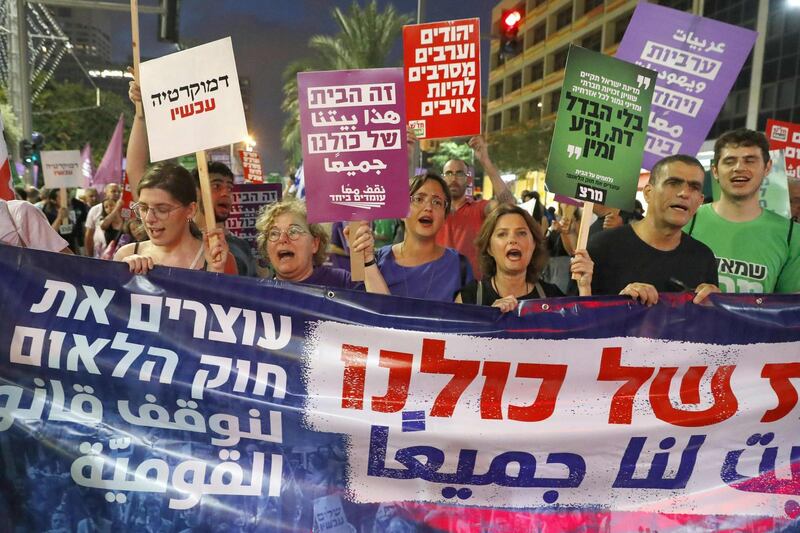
x=167 y=203
x=296 y=249
x=513 y=253
x=417 y=267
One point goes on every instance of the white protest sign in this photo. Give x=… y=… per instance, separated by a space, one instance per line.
x=62 y=168
x=192 y=101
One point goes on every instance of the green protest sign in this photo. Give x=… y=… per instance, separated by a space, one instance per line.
x=601 y=127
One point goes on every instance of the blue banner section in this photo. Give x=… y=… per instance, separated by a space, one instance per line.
x=178 y=401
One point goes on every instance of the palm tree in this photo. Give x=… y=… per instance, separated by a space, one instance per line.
x=365 y=38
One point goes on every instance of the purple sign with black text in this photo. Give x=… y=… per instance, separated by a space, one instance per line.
x=697 y=60
x=355 y=157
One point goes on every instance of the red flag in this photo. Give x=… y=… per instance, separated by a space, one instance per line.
x=110 y=169
x=127 y=197
x=6 y=181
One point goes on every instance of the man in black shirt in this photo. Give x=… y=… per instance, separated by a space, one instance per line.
x=653 y=255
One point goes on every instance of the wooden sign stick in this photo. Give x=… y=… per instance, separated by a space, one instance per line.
x=356 y=258
x=583 y=231
x=205 y=194
x=135 y=47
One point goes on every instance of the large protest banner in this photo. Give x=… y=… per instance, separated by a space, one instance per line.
x=697 y=60
x=443 y=78
x=355 y=157
x=185 y=398
x=601 y=123
x=192 y=100
x=786 y=136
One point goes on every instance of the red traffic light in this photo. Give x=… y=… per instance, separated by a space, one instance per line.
x=511 y=20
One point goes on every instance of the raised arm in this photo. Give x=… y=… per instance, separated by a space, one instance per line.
x=502 y=194
x=138 y=153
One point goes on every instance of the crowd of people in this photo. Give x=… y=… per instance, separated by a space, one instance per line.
x=451 y=246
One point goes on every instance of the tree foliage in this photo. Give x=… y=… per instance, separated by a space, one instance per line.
x=66 y=115
x=450 y=150
x=364 y=40
x=521 y=149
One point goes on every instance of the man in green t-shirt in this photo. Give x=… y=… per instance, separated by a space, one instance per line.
x=757 y=251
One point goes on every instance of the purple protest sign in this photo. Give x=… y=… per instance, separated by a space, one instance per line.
x=355 y=157
x=697 y=60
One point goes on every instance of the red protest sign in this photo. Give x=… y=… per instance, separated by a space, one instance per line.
x=127 y=197
x=251 y=163
x=443 y=78
x=786 y=136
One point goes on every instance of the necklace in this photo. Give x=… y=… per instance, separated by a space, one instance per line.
x=494 y=286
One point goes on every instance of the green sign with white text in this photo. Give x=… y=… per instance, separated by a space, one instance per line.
x=601 y=128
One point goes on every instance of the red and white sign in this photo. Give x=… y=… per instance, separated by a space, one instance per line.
x=443 y=78
x=62 y=168
x=251 y=164
x=192 y=101
x=786 y=136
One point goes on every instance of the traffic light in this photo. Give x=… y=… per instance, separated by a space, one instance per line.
x=168 y=22
x=509 y=28
x=26 y=152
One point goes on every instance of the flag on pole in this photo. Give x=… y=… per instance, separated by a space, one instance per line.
x=110 y=169
x=300 y=183
x=86 y=165
x=6 y=181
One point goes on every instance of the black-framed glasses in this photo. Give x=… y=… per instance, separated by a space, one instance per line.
x=294 y=232
x=160 y=211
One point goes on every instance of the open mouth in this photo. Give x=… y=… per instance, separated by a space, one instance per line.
x=285 y=254
x=514 y=254
x=155 y=232
x=740 y=179
x=425 y=221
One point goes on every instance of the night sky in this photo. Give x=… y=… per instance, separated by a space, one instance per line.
x=268 y=35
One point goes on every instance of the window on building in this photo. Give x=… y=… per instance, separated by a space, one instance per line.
x=516 y=81
x=497 y=90
x=533 y=109
x=539 y=33
x=536 y=71
x=620 y=26
x=535 y=3
x=683 y=5
x=560 y=59
x=564 y=17
x=495 y=121
x=513 y=115
x=591 y=4
x=593 y=41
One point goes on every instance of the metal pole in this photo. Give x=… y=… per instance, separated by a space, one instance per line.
x=420 y=11
x=758 y=66
x=18 y=75
x=92 y=4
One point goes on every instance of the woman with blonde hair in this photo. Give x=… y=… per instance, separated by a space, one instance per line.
x=296 y=250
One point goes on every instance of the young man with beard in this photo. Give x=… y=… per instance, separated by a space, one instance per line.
x=654 y=255
x=757 y=251
x=221 y=179
x=463 y=224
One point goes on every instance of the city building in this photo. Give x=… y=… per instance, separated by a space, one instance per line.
x=526 y=89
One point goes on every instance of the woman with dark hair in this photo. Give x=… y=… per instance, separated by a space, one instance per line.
x=296 y=249
x=167 y=203
x=512 y=253
x=417 y=267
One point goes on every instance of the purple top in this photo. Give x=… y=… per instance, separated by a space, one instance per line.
x=438 y=280
x=332 y=277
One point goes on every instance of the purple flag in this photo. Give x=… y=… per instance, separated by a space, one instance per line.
x=355 y=157
x=87 y=167
x=697 y=60
x=110 y=169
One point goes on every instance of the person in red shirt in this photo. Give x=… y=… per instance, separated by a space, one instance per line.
x=463 y=225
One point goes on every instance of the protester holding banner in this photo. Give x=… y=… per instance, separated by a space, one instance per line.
x=466 y=215
x=419 y=267
x=24 y=225
x=296 y=250
x=653 y=255
x=513 y=254
x=758 y=251
x=167 y=204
